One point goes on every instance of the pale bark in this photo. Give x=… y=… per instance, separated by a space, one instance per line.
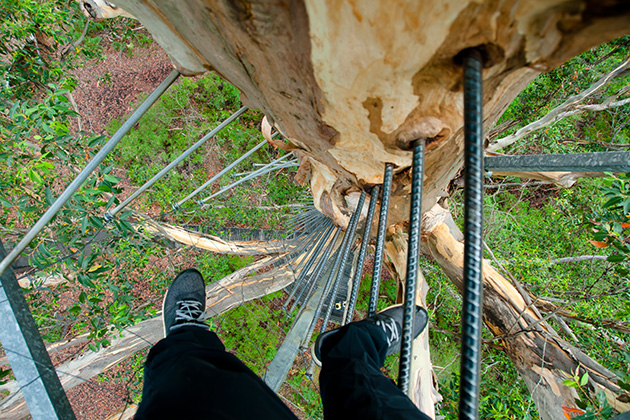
x=101 y=9
x=214 y=243
x=349 y=84
x=543 y=359
x=578 y=259
x=423 y=384
x=126 y=413
x=221 y=296
x=561 y=179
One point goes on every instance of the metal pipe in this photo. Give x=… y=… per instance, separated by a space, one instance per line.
x=322 y=269
x=301 y=237
x=305 y=232
x=348 y=239
x=177 y=205
x=27 y=354
x=297 y=218
x=321 y=240
x=380 y=238
x=588 y=162
x=315 y=274
x=413 y=252
x=317 y=233
x=259 y=172
x=301 y=222
x=311 y=259
x=110 y=214
x=288 y=164
x=83 y=175
x=473 y=237
x=356 y=282
x=307 y=221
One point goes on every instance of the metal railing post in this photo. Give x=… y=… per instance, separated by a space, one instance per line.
x=110 y=214
x=83 y=175
x=356 y=282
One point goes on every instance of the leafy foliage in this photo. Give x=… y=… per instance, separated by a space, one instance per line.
x=611 y=225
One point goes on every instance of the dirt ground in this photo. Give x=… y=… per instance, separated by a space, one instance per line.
x=108 y=90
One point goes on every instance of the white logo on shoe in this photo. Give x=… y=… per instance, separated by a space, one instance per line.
x=391 y=330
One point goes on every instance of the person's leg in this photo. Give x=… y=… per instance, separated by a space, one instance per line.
x=189 y=375
x=351 y=382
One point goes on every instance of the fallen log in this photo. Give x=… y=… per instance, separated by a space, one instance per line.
x=213 y=243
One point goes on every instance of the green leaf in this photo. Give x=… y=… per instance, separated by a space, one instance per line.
x=3 y=374
x=616 y=258
x=84 y=224
x=111 y=178
x=612 y=202
x=570 y=383
x=584 y=379
x=5 y=203
x=34 y=176
x=49 y=197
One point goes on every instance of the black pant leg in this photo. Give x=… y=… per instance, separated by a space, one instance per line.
x=352 y=385
x=189 y=375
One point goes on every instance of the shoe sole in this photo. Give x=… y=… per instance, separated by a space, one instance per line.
x=319 y=362
x=163 y=302
x=314 y=357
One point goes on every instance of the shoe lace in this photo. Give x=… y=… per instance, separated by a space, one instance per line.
x=391 y=330
x=190 y=310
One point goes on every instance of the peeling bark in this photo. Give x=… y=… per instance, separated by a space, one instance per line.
x=543 y=359
x=561 y=179
x=214 y=243
x=349 y=82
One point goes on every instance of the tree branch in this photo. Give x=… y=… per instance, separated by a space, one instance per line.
x=570 y=107
x=549 y=307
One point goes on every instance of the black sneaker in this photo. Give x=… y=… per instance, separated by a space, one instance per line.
x=390 y=321
x=185 y=302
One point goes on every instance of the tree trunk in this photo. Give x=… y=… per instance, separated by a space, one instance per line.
x=423 y=386
x=349 y=84
x=542 y=358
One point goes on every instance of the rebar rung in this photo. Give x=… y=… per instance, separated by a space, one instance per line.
x=380 y=238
